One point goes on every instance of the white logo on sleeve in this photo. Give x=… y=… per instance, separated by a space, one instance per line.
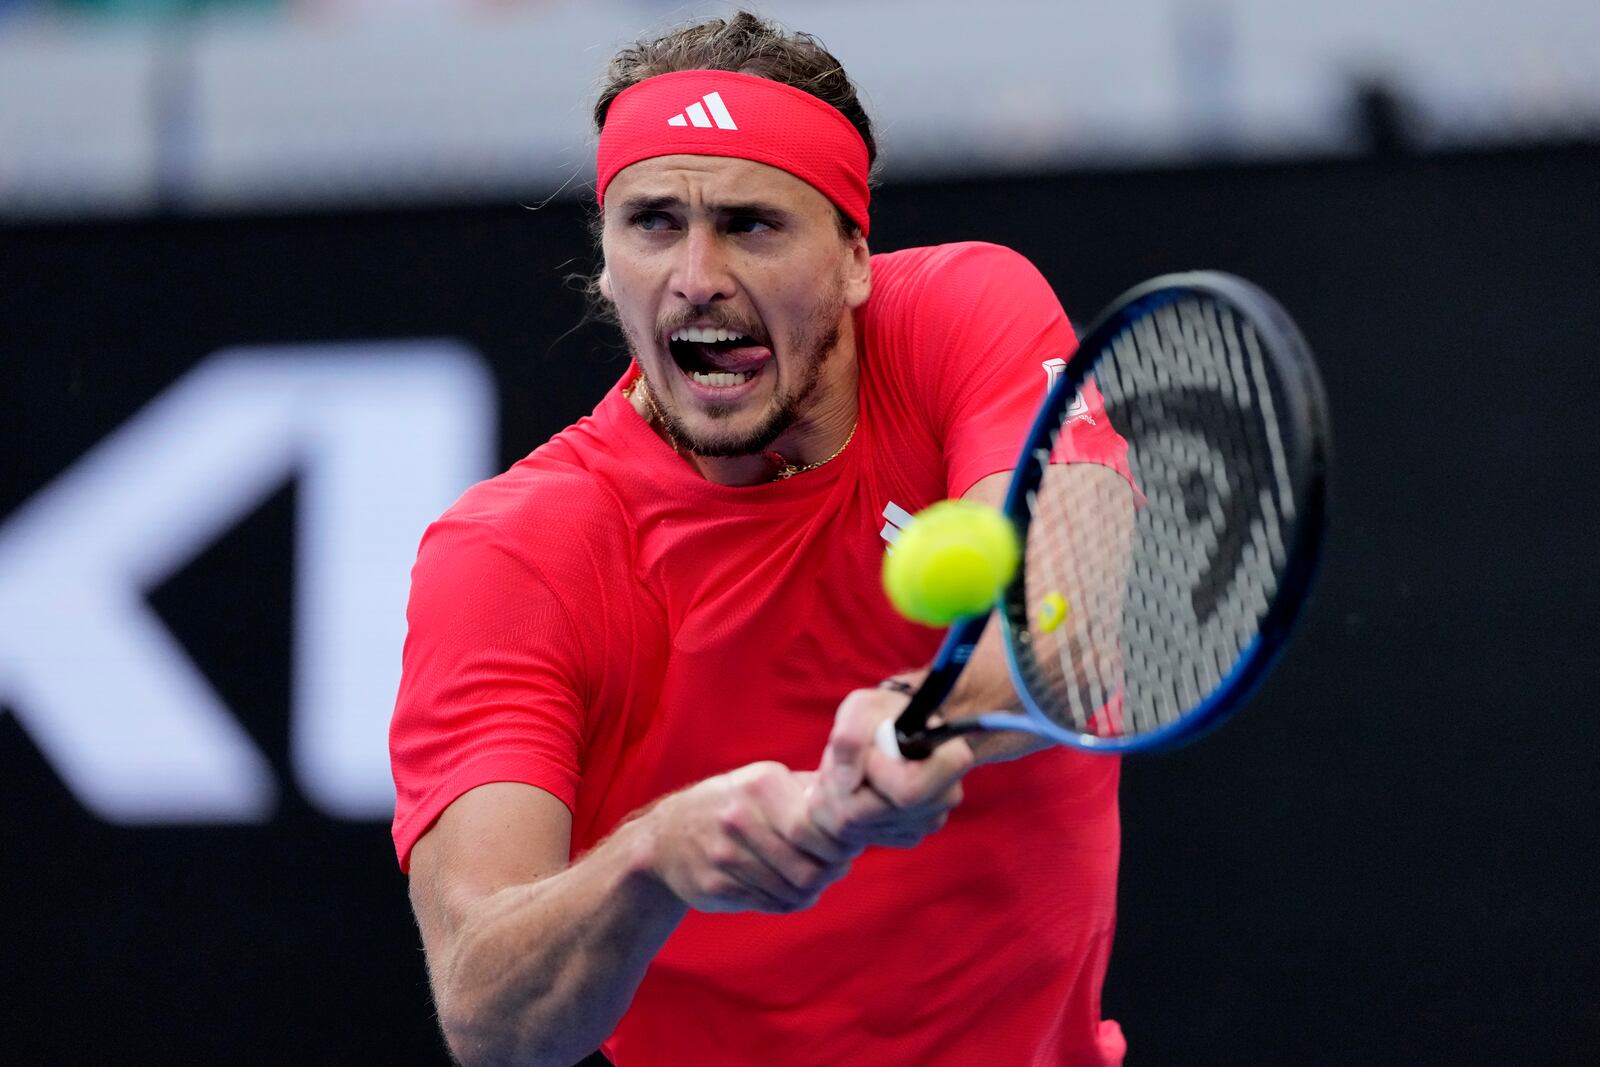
x=1052 y=371
x=1079 y=408
x=695 y=114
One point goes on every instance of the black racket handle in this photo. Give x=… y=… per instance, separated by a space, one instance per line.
x=911 y=735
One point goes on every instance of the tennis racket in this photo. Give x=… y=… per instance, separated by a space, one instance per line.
x=1147 y=608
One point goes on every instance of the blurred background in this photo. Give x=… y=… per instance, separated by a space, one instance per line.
x=279 y=278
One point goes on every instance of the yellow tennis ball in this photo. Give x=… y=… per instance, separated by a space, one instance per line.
x=952 y=561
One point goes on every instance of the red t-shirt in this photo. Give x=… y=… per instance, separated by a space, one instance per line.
x=603 y=623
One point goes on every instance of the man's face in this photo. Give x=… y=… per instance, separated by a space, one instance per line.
x=732 y=283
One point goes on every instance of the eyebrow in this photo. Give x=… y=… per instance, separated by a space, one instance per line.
x=667 y=202
x=648 y=203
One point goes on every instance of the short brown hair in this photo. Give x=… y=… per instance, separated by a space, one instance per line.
x=744 y=44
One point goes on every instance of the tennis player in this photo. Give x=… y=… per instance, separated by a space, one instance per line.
x=637 y=795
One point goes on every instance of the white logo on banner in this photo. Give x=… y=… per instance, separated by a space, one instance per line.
x=382 y=437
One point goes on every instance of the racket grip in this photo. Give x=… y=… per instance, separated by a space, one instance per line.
x=887 y=741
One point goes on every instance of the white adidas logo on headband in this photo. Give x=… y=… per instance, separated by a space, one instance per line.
x=695 y=115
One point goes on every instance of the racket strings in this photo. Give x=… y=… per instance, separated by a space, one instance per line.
x=1164 y=584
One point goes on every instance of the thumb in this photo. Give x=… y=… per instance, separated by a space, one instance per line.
x=843 y=765
x=844 y=761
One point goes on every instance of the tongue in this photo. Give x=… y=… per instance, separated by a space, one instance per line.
x=735 y=360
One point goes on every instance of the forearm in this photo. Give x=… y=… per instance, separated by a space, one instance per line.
x=540 y=973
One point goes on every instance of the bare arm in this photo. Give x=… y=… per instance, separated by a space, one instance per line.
x=533 y=960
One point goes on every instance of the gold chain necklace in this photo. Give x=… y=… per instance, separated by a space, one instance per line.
x=789 y=470
x=638 y=386
x=785 y=469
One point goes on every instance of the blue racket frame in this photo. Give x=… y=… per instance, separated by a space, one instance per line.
x=1306 y=419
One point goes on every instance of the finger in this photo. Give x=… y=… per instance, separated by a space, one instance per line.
x=864 y=818
x=838 y=815
x=881 y=816
x=735 y=874
x=788 y=873
x=725 y=877
x=910 y=836
x=871 y=821
x=750 y=889
x=779 y=828
x=735 y=860
x=909 y=783
x=816 y=830
x=844 y=759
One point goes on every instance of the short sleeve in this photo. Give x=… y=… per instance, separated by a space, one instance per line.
x=493 y=682
x=991 y=337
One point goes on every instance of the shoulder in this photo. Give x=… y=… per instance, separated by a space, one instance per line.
x=947 y=269
x=537 y=496
x=934 y=290
x=554 y=522
x=942 y=293
x=956 y=254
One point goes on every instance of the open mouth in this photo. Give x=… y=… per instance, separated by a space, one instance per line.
x=717 y=358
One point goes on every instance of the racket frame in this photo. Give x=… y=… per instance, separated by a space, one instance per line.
x=909 y=735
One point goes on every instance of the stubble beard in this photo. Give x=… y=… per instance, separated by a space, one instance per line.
x=816 y=343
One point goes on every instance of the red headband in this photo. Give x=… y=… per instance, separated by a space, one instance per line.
x=721 y=113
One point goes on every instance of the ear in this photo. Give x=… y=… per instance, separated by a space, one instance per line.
x=605 y=282
x=857 y=272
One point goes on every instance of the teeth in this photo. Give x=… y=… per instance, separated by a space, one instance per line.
x=722 y=378
x=704 y=336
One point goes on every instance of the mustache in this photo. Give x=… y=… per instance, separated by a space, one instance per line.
x=716 y=318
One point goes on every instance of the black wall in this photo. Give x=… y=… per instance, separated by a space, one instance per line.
x=1382 y=861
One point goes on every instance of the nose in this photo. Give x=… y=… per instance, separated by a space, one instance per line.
x=701 y=275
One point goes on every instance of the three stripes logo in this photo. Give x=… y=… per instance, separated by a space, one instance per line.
x=897 y=519
x=696 y=114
